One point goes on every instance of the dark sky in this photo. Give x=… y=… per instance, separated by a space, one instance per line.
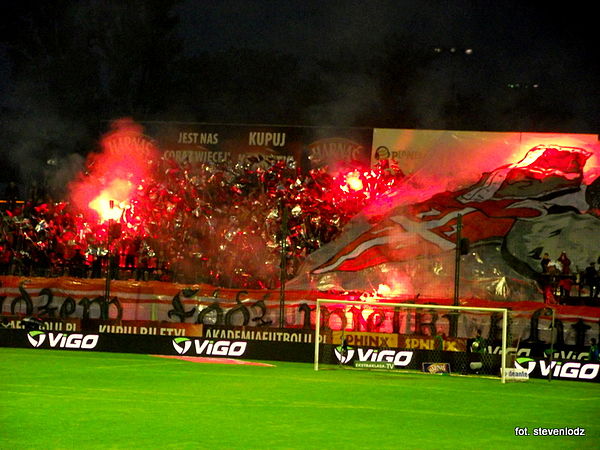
x=543 y=43
x=520 y=39
x=532 y=43
x=315 y=28
x=549 y=45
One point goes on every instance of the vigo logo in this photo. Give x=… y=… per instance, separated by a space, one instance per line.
x=571 y=369
x=36 y=338
x=207 y=347
x=182 y=345
x=520 y=352
x=520 y=364
x=75 y=340
x=399 y=358
x=343 y=357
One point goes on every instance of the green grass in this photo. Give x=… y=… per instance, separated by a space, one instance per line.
x=61 y=399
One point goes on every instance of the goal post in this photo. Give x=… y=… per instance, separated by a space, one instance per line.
x=349 y=310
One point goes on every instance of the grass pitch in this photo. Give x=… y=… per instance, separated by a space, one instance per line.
x=77 y=400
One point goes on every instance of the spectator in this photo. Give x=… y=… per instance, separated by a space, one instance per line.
x=6 y=256
x=37 y=193
x=590 y=279
x=593 y=351
x=77 y=264
x=97 y=266
x=565 y=262
x=11 y=195
x=545 y=261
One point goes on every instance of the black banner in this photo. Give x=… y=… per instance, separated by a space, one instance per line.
x=274 y=347
x=560 y=370
x=468 y=362
x=158 y=345
x=307 y=147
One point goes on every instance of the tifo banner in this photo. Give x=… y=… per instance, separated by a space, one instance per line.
x=456 y=157
x=515 y=198
x=307 y=147
x=148 y=307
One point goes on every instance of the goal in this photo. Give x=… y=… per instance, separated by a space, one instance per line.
x=404 y=336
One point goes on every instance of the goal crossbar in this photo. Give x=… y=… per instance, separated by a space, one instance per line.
x=504 y=312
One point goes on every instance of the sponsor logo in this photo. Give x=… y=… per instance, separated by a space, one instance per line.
x=430 y=343
x=579 y=356
x=519 y=352
x=343 y=356
x=367 y=339
x=36 y=338
x=526 y=352
x=398 y=358
x=527 y=364
x=63 y=340
x=183 y=345
x=568 y=370
x=436 y=367
x=373 y=365
x=324 y=151
x=514 y=374
x=383 y=152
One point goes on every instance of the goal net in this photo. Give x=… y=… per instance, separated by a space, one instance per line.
x=405 y=337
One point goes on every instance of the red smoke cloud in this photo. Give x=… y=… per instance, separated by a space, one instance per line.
x=109 y=187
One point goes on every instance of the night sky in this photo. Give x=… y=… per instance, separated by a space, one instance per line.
x=470 y=65
x=534 y=45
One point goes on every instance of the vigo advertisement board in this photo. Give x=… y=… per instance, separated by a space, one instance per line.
x=286 y=350
x=159 y=345
x=560 y=370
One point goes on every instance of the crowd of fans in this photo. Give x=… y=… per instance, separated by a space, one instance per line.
x=196 y=224
x=559 y=278
x=215 y=226
x=38 y=238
